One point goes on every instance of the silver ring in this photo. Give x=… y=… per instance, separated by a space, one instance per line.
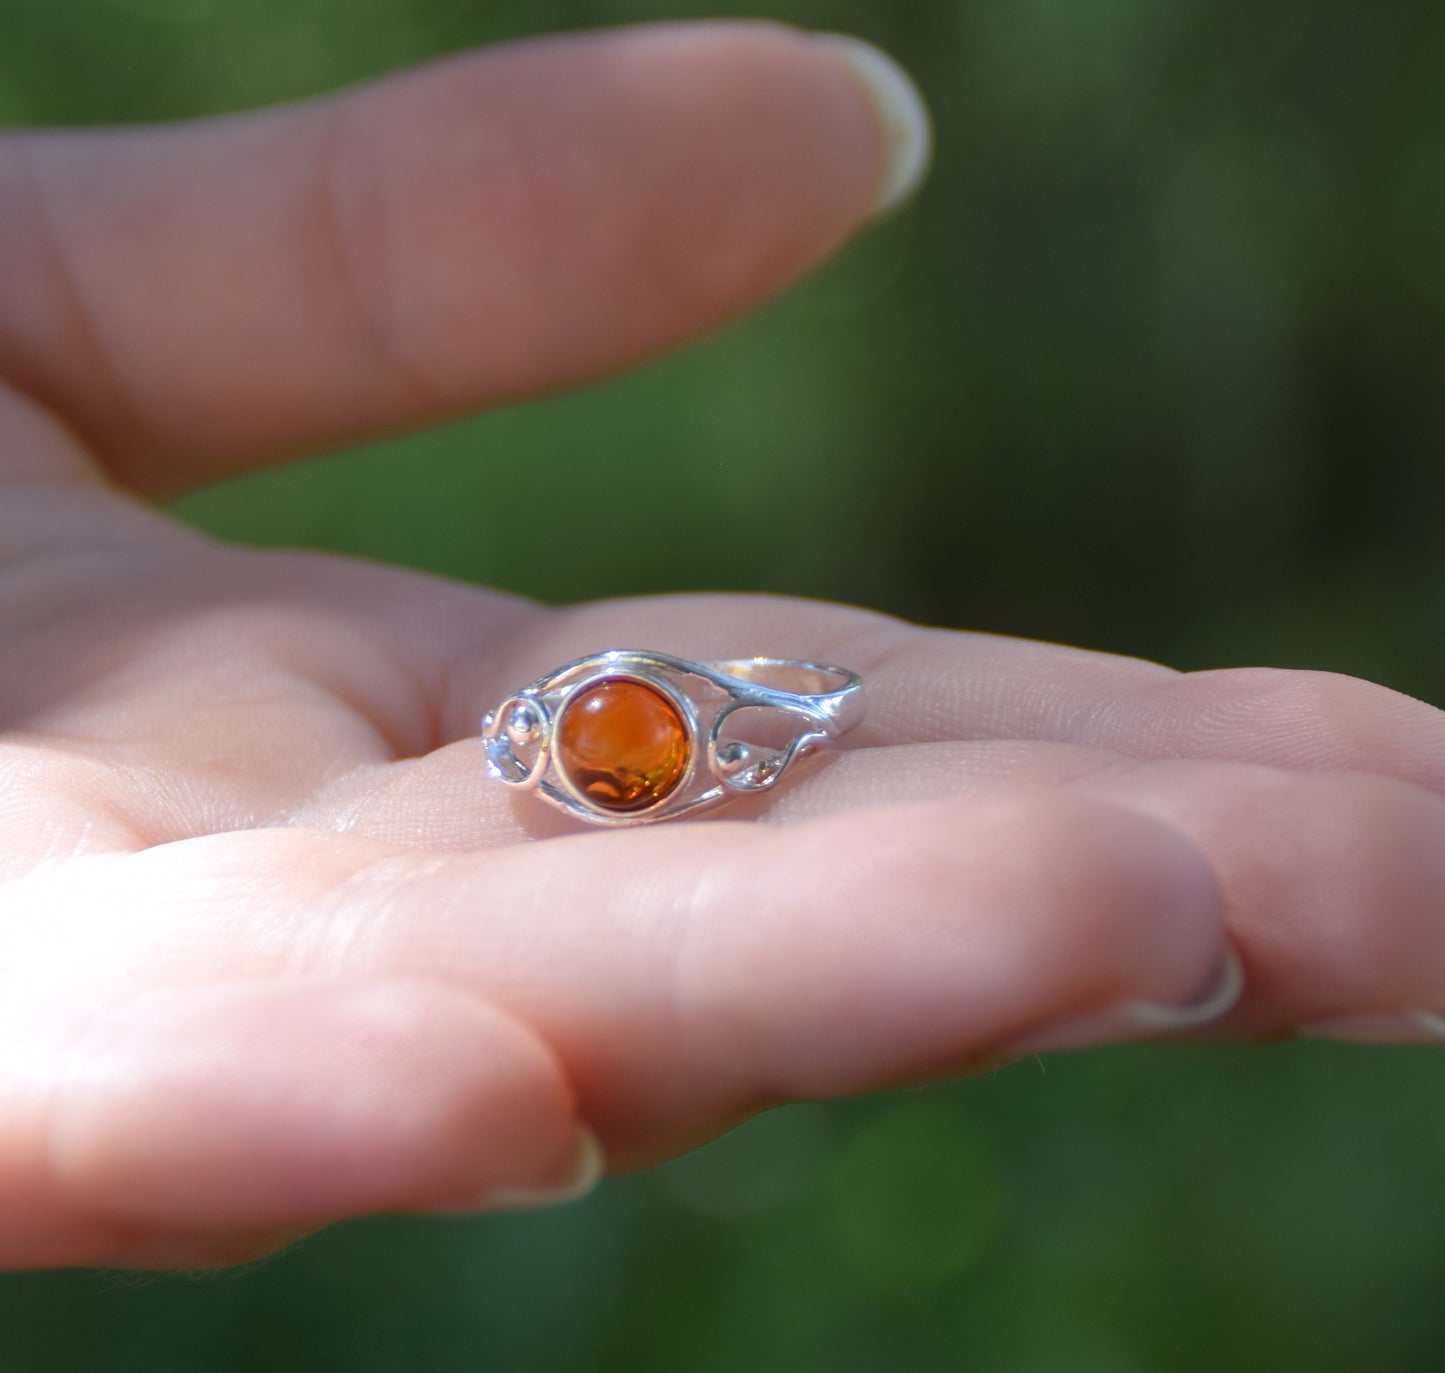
x=630 y=736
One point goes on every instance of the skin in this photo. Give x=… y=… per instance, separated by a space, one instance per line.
x=273 y=953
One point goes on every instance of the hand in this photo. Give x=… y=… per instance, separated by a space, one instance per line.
x=273 y=952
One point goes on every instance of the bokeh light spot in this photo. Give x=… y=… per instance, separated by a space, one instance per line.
x=917 y=1197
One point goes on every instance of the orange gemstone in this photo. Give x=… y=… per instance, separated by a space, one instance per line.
x=623 y=745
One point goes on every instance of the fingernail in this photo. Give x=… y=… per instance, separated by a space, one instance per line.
x=902 y=117
x=1125 y=1020
x=584 y=1173
x=588 y=1166
x=1219 y=998
x=1432 y=1022
x=1380 y=1028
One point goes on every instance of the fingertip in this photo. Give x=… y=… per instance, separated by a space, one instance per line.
x=257 y=1107
x=1119 y=923
x=882 y=943
x=904 y=123
x=1122 y=876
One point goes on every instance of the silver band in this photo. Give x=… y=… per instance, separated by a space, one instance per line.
x=710 y=766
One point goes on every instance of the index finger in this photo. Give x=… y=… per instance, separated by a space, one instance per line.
x=196 y=298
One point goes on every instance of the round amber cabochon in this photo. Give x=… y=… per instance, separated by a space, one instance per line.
x=623 y=745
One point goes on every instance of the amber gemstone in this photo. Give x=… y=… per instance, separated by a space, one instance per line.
x=623 y=745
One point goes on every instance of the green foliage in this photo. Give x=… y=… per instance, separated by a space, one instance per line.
x=1153 y=366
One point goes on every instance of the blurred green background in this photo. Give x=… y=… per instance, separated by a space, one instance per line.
x=1154 y=366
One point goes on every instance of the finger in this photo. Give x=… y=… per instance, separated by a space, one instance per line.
x=195 y=298
x=1286 y=719
x=1333 y=883
x=257 y=1109
x=680 y=975
x=935 y=685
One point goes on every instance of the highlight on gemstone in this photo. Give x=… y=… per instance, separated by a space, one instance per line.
x=623 y=745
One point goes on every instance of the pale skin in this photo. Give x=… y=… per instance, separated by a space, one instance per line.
x=273 y=952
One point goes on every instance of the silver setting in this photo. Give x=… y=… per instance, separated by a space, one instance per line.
x=827 y=701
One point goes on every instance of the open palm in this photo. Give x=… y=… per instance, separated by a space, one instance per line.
x=272 y=949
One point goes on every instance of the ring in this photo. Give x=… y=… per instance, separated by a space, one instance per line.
x=627 y=737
